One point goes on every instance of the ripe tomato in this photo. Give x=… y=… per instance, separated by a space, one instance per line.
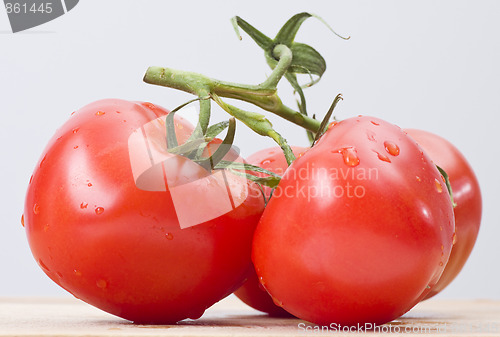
x=466 y=195
x=251 y=292
x=131 y=229
x=358 y=230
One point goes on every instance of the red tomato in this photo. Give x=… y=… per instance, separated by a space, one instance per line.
x=131 y=229
x=358 y=230
x=466 y=195
x=251 y=292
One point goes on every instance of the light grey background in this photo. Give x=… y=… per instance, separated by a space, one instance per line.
x=431 y=65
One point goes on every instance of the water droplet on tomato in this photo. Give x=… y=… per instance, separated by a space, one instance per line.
x=169 y=236
x=418 y=178
x=77 y=272
x=83 y=205
x=100 y=113
x=375 y=123
x=441 y=228
x=22 y=220
x=73 y=113
x=43 y=266
x=99 y=210
x=382 y=157
x=31 y=179
x=370 y=135
x=350 y=156
x=266 y=161
x=277 y=302
x=391 y=148
x=439 y=187
x=454 y=238
x=101 y=284
x=75 y=147
x=179 y=126
x=36 y=209
x=441 y=263
x=43 y=160
x=332 y=124
x=75 y=130
x=150 y=105
x=46 y=228
x=89 y=184
x=59 y=274
x=442 y=247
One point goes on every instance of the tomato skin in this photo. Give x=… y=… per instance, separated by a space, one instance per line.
x=466 y=195
x=120 y=247
x=368 y=258
x=251 y=292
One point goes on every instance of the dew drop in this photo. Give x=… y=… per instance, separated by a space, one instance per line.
x=454 y=238
x=101 y=284
x=46 y=228
x=391 y=148
x=43 y=266
x=99 y=113
x=332 y=124
x=418 y=178
x=383 y=157
x=350 y=156
x=370 y=135
x=375 y=123
x=277 y=302
x=441 y=263
x=179 y=126
x=43 y=160
x=74 y=112
x=75 y=130
x=439 y=187
x=59 y=274
x=266 y=161
x=31 y=179
x=77 y=272
x=150 y=105
x=22 y=220
x=83 y=205
x=99 y=210
x=36 y=209
x=169 y=236
x=75 y=147
x=89 y=184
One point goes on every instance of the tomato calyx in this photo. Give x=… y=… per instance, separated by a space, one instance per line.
x=222 y=158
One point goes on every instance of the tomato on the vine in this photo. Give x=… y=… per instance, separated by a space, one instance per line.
x=359 y=229
x=466 y=195
x=251 y=292
x=122 y=224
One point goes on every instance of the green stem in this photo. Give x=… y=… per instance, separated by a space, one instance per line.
x=263 y=95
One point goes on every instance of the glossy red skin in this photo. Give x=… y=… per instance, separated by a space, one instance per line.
x=466 y=195
x=132 y=259
x=355 y=260
x=251 y=292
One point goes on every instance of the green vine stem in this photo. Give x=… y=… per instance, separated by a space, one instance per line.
x=263 y=95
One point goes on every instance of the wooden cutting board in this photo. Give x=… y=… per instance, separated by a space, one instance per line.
x=230 y=317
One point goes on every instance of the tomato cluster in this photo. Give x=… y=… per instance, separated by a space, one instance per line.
x=359 y=229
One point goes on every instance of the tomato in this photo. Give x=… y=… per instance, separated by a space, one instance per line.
x=122 y=224
x=359 y=228
x=251 y=292
x=466 y=195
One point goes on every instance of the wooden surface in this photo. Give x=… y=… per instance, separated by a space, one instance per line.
x=70 y=317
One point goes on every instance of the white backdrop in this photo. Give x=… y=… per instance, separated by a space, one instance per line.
x=430 y=65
